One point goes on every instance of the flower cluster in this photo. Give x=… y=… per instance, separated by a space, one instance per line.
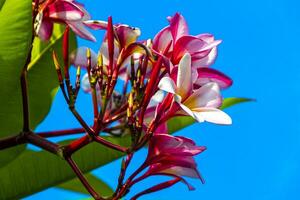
x=164 y=77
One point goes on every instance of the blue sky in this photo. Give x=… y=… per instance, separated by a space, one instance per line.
x=258 y=156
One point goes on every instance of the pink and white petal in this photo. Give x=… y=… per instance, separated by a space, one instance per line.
x=205 y=61
x=80 y=30
x=184 y=171
x=96 y=24
x=188 y=44
x=127 y=34
x=162 y=39
x=78 y=57
x=184 y=76
x=194 y=74
x=207 y=37
x=213 y=115
x=64 y=10
x=178 y=26
x=45 y=30
x=206 y=75
x=211 y=45
x=86 y=15
x=104 y=51
x=206 y=96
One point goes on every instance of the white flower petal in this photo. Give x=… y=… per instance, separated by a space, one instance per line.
x=184 y=76
x=167 y=84
x=188 y=111
x=213 y=115
x=157 y=98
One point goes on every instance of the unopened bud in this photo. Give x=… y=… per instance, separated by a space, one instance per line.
x=88 y=53
x=55 y=60
x=100 y=60
x=78 y=71
x=130 y=105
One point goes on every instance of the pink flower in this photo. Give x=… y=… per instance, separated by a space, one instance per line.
x=67 y=12
x=201 y=103
x=171 y=156
x=123 y=37
x=202 y=48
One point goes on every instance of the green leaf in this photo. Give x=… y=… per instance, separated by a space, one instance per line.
x=76 y=186
x=177 y=123
x=1 y=3
x=34 y=171
x=231 y=101
x=42 y=76
x=15 y=38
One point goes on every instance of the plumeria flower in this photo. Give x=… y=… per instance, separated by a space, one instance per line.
x=202 y=104
x=202 y=48
x=172 y=156
x=67 y=12
x=124 y=36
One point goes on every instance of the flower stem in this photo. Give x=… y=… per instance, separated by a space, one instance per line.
x=82 y=179
x=61 y=132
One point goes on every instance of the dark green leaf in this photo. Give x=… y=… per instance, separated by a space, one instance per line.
x=1 y=3
x=34 y=171
x=15 y=38
x=76 y=186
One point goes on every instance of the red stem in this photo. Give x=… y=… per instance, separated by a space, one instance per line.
x=61 y=132
x=109 y=144
x=83 y=180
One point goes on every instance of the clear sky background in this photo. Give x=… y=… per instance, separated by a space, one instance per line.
x=258 y=156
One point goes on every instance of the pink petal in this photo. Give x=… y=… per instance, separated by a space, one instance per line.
x=80 y=30
x=206 y=75
x=162 y=129
x=162 y=40
x=183 y=171
x=188 y=44
x=198 y=48
x=178 y=26
x=206 y=61
x=157 y=187
x=64 y=10
x=207 y=37
x=45 y=30
x=164 y=144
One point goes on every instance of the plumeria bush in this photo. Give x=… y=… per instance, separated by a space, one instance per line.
x=167 y=83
